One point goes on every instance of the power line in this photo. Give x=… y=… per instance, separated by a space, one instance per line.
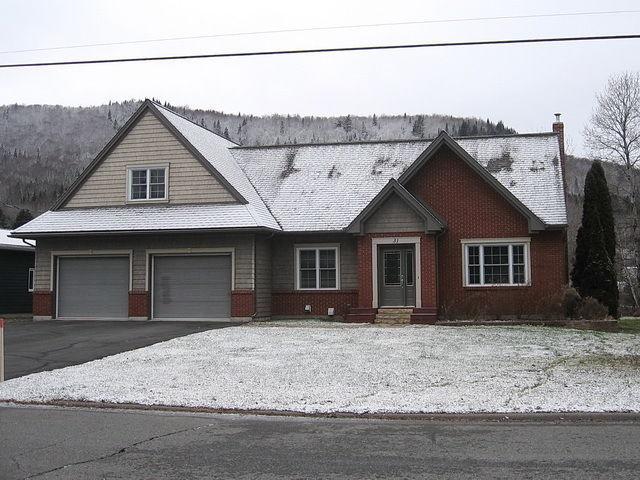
x=335 y=27
x=323 y=50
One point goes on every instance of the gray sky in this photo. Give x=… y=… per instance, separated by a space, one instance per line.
x=521 y=84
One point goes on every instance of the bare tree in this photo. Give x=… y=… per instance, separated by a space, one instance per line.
x=614 y=134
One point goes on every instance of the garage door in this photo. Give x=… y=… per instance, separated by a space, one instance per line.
x=96 y=287
x=192 y=287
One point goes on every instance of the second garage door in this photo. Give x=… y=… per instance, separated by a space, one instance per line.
x=194 y=287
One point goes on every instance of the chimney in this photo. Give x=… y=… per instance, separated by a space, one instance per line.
x=558 y=127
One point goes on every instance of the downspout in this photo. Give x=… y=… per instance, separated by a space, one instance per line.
x=24 y=241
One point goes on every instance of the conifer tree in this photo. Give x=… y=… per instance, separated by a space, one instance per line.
x=593 y=273
x=23 y=217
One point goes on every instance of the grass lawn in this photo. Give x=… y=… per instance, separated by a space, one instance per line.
x=333 y=367
x=629 y=324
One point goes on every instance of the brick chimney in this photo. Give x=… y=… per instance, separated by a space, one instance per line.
x=558 y=127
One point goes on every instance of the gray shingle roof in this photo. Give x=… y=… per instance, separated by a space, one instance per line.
x=8 y=243
x=215 y=150
x=324 y=187
x=143 y=218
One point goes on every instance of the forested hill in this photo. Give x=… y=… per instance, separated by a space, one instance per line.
x=43 y=148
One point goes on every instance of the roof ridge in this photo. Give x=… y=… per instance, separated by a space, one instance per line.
x=398 y=140
x=158 y=105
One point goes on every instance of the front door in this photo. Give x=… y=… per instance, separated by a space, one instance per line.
x=396 y=276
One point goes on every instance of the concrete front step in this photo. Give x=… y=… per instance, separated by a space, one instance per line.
x=394 y=315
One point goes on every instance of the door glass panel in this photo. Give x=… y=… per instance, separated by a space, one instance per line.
x=409 y=267
x=392 y=268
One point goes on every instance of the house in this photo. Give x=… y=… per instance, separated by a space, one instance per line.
x=16 y=274
x=171 y=221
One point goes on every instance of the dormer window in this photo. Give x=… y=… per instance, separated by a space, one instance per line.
x=147 y=184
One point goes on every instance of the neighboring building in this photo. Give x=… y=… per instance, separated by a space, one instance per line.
x=172 y=221
x=16 y=274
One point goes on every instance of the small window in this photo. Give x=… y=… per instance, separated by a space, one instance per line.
x=496 y=264
x=317 y=268
x=30 y=281
x=147 y=184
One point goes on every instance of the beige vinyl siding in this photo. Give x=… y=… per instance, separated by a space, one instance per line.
x=242 y=244
x=283 y=259
x=149 y=143
x=263 y=277
x=394 y=215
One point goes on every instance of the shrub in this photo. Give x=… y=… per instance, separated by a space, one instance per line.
x=591 y=309
x=571 y=302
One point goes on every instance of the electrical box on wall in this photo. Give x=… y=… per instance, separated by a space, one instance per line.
x=331 y=311
x=307 y=308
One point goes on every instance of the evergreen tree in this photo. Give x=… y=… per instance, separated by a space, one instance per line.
x=418 y=126
x=601 y=192
x=593 y=273
x=4 y=221
x=374 y=121
x=23 y=217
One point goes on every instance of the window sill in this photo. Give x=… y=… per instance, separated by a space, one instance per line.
x=144 y=201
x=496 y=287
x=317 y=289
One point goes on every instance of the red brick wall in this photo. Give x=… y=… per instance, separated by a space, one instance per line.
x=473 y=209
x=139 y=303
x=243 y=303
x=43 y=303
x=293 y=302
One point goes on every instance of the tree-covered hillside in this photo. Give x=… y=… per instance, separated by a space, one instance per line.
x=43 y=148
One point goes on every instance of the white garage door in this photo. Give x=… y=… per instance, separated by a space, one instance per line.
x=93 y=287
x=196 y=287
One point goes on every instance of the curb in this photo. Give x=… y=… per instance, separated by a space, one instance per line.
x=540 y=417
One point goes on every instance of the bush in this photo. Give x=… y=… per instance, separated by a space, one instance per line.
x=571 y=302
x=592 y=309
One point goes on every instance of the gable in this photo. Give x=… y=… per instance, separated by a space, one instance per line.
x=394 y=215
x=148 y=143
x=444 y=144
x=463 y=199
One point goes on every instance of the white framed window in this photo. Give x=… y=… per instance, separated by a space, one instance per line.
x=500 y=262
x=31 y=279
x=317 y=267
x=146 y=184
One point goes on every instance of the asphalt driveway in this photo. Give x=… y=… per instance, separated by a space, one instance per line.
x=38 y=346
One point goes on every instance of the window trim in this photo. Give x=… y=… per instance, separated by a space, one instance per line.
x=317 y=247
x=148 y=168
x=482 y=242
x=31 y=279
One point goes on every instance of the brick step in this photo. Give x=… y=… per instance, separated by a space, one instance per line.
x=392 y=317
x=395 y=310
x=392 y=321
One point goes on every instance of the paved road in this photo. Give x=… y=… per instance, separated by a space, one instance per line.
x=56 y=443
x=36 y=346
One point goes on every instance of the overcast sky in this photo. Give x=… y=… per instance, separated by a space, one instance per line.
x=521 y=84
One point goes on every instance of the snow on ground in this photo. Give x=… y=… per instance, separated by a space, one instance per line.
x=361 y=368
